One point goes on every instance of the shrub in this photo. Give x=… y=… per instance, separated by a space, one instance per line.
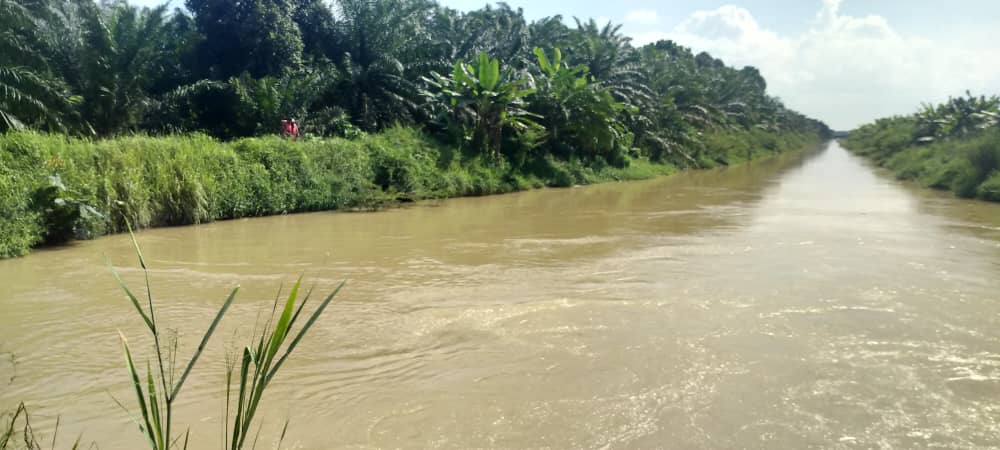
x=20 y=228
x=990 y=189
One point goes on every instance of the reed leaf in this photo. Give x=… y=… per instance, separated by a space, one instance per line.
x=309 y=323
x=281 y=328
x=132 y=297
x=204 y=341
x=302 y=305
x=244 y=373
x=154 y=406
x=148 y=430
x=135 y=243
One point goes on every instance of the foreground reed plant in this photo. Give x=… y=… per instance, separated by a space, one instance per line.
x=157 y=392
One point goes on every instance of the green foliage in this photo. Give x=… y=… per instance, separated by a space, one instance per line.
x=32 y=93
x=56 y=188
x=374 y=44
x=581 y=117
x=957 y=117
x=245 y=106
x=260 y=363
x=155 y=417
x=511 y=117
x=965 y=164
x=259 y=37
x=990 y=189
x=481 y=101
x=119 y=54
x=20 y=228
x=230 y=68
x=64 y=215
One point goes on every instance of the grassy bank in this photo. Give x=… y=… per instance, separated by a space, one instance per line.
x=54 y=189
x=968 y=166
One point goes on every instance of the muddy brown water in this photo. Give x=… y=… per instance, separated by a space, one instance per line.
x=807 y=301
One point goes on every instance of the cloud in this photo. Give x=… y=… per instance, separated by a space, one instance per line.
x=845 y=70
x=642 y=17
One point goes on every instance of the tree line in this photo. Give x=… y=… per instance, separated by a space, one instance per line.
x=488 y=80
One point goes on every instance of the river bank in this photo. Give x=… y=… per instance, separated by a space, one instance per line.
x=953 y=146
x=54 y=189
x=968 y=167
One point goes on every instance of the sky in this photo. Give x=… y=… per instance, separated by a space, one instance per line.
x=846 y=62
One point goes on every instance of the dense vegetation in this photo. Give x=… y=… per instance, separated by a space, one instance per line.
x=168 y=113
x=92 y=187
x=953 y=146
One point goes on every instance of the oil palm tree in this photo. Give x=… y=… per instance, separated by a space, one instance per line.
x=32 y=93
x=120 y=54
x=611 y=60
x=375 y=41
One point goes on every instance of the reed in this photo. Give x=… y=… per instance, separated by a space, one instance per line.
x=157 y=391
x=16 y=432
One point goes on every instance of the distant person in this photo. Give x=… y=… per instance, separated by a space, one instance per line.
x=286 y=128
x=295 y=130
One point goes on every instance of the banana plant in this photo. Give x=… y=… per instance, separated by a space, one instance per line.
x=482 y=102
x=957 y=117
x=581 y=115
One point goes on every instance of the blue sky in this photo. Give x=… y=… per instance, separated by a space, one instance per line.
x=843 y=61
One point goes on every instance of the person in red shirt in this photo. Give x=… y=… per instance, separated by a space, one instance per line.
x=290 y=129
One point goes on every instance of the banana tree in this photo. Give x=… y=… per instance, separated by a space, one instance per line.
x=957 y=117
x=481 y=101
x=581 y=116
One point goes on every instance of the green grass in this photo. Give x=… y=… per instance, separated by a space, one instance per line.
x=969 y=166
x=54 y=189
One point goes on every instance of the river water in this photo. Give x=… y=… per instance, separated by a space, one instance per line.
x=807 y=301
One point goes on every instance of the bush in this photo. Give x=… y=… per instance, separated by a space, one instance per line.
x=966 y=166
x=990 y=189
x=20 y=228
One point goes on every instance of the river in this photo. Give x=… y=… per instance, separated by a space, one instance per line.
x=806 y=301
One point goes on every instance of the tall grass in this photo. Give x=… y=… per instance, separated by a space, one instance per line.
x=156 y=392
x=737 y=146
x=54 y=189
x=967 y=166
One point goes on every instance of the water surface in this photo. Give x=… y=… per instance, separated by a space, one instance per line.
x=807 y=301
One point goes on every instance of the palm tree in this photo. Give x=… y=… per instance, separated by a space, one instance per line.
x=611 y=60
x=375 y=41
x=120 y=53
x=32 y=94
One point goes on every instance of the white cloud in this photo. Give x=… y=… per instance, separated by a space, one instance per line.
x=642 y=17
x=845 y=70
